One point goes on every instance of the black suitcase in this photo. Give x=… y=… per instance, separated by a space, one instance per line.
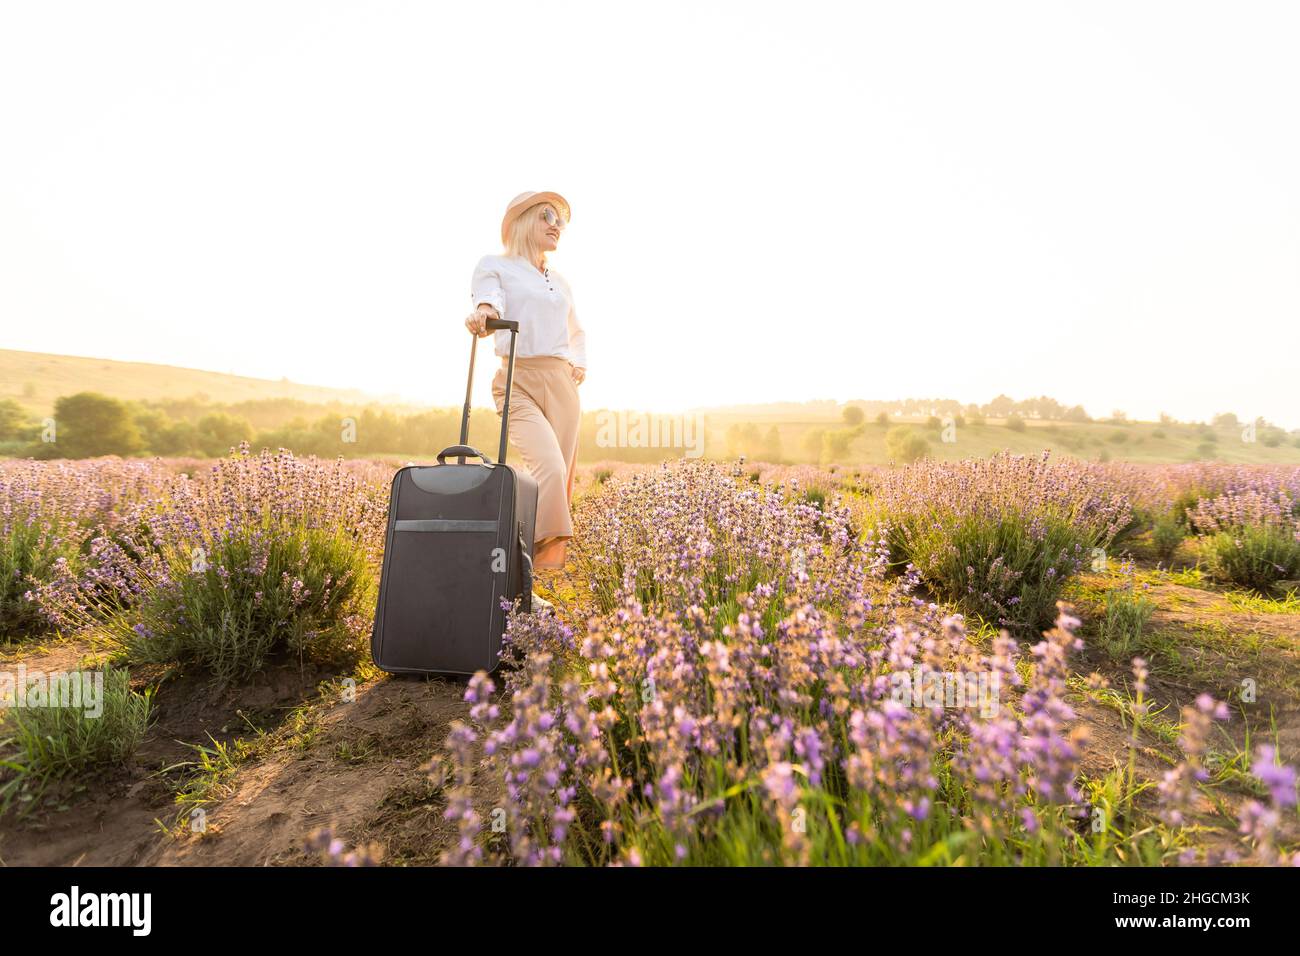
x=460 y=538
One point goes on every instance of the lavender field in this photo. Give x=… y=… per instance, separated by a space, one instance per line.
x=993 y=661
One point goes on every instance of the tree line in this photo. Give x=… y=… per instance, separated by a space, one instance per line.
x=88 y=425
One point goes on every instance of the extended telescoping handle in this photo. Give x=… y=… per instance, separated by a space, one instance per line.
x=495 y=325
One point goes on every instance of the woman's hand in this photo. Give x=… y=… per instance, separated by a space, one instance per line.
x=578 y=374
x=477 y=320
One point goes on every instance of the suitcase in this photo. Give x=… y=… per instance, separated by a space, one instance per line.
x=460 y=538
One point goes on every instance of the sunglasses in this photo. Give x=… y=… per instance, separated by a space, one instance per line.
x=553 y=218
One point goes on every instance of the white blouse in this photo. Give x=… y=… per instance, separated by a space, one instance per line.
x=542 y=304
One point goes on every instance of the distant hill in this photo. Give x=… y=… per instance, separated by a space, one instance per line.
x=202 y=412
x=811 y=437
x=36 y=379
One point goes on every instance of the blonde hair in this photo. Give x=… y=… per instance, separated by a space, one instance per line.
x=519 y=241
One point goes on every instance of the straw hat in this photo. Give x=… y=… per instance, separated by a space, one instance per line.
x=524 y=200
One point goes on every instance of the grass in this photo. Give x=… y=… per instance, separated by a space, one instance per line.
x=48 y=743
x=1257 y=604
x=1186 y=577
x=209 y=778
x=1126 y=617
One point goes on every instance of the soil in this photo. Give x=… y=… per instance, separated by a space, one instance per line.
x=354 y=766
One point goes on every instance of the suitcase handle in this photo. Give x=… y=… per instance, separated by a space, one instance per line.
x=462 y=451
x=512 y=327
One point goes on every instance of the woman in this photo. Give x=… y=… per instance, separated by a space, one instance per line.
x=550 y=361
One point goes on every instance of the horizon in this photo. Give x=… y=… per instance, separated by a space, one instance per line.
x=301 y=200
x=368 y=398
x=389 y=401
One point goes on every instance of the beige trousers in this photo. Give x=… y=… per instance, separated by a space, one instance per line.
x=544 y=415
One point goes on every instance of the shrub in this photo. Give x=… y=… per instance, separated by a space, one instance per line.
x=1167 y=534
x=1178 y=489
x=267 y=554
x=1001 y=536
x=41 y=538
x=51 y=514
x=31 y=551
x=1250 y=537
x=1015 y=423
x=904 y=445
x=1252 y=557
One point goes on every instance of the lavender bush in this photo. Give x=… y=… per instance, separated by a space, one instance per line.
x=39 y=539
x=1186 y=485
x=1250 y=536
x=49 y=514
x=267 y=553
x=998 y=535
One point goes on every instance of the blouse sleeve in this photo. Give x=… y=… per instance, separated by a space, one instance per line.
x=485 y=286
x=577 y=335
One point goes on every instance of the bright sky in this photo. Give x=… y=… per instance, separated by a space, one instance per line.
x=1094 y=201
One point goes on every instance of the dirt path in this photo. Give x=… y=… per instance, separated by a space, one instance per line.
x=360 y=774
x=1199 y=641
x=352 y=762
